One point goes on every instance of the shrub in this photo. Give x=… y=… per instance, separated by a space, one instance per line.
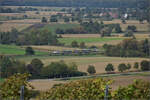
x=136 y=65
x=132 y=28
x=82 y=45
x=139 y=90
x=91 y=89
x=109 y=68
x=44 y=20
x=74 y=44
x=91 y=69
x=29 y=51
x=128 y=66
x=145 y=65
x=122 y=67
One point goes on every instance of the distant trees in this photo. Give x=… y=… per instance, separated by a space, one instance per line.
x=132 y=28
x=53 y=19
x=44 y=20
x=128 y=33
x=106 y=31
x=128 y=48
x=74 y=44
x=29 y=51
x=145 y=65
x=122 y=67
x=91 y=69
x=109 y=68
x=82 y=45
x=136 y=65
x=118 y=28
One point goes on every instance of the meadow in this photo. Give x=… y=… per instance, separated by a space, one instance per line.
x=16 y=50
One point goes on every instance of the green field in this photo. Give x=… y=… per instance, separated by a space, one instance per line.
x=16 y=50
x=68 y=41
x=53 y=27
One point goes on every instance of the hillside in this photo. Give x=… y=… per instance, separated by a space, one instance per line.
x=70 y=3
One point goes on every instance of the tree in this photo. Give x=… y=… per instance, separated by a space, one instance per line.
x=145 y=65
x=74 y=44
x=122 y=67
x=132 y=28
x=91 y=69
x=128 y=33
x=29 y=51
x=44 y=20
x=35 y=67
x=128 y=66
x=53 y=19
x=118 y=28
x=109 y=68
x=10 y=88
x=82 y=45
x=136 y=65
x=106 y=31
x=66 y=19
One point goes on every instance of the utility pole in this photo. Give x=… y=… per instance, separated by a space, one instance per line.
x=22 y=93
x=106 y=92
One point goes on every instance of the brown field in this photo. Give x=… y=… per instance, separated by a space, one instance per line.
x=43 y=85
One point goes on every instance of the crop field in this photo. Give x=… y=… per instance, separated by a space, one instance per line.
x=16 y=50
x=140 y=27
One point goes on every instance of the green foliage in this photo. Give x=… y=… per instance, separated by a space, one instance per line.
x=145 y=65
x=136 y=65
x=60 y=69
x=129 y=66
x=82 y=45
x=122 y=67
x=91 y=69
x=91 y=89
x=138 y=90
x=128 y=48
x=118 y=28
x=10 y=66
x=44 y=20
x=109 y=68
x=10 y=88
x=106 y=31
x=132 y=28
x=74 y=44
x=128 y=33
x=29 y=51
x=35 y=67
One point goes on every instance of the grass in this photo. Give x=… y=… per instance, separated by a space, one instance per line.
x=68 y=41
x=16 y=50
x=53 y=27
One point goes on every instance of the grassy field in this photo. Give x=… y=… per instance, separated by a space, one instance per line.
x=16 y=50
x=53 y=27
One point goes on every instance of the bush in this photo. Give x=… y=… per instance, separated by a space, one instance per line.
x=136 y=65
x=109 y=68
x=74 y=44
x=82 y=45
x=132 y=28
x=118 y=28
x=128 y=33
x=91 y=89
x=29 y=51
x=44 y=20
x=139 y=90
x=145 y=65
x=128 y=66
x=91 y=69
x=122 y=67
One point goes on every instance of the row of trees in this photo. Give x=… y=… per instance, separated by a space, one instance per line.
x=144 y=66
x=10 y=66
x=128 y=48
x=37 y=37
x=81 y=89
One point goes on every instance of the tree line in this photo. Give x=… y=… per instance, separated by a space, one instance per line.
x=128 y=48
x=35 y=37
x=10 y=66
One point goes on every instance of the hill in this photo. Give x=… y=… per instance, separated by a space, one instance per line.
x=72 y=3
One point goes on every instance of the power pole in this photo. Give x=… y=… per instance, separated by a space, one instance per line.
x=106 y=92
x=22 y=93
